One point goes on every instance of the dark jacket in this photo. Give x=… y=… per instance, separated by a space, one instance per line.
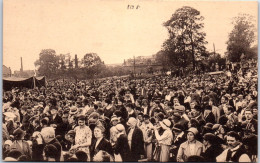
x=57 y=144
x=104 y=145
x=57 y=120
x=211 y=153
x=25 y=122
x=210 y=118
x=122 y=147
x=137 y=144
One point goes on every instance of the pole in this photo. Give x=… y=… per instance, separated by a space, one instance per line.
x=214 y=57
x=134 y=66
x=34 y=85
x=214 y=51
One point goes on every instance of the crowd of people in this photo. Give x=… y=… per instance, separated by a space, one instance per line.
x=211 y=118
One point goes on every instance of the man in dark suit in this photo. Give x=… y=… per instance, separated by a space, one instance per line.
x=208 y=115
x=25 y=118
x=249 y=125
x=100 y=143
x=135 y=140
x=122 y=147
x=212 y=147
x=55 y=119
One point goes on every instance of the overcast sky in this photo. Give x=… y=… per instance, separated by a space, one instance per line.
x=105 y=27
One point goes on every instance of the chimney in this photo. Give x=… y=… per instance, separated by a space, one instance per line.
x=76 y=61
x=21 y=65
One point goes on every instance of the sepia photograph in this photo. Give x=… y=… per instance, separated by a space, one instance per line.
x=130 y=81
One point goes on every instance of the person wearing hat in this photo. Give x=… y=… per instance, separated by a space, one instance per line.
x=73 y=110
x=6 y=148
x=50 y=153
x=148 y=134
x=190 y=147
x=100 y=143
x=25 y=120
x=179 y=115
x=113 y=131
x=211 y=147
x=20 y=144
x=208 y=115
x=164 y=140
x=70 y=137
x=135 y=140
x=251 y=146
x=48 y=136
x=215 y=110
x=232 y=121
x=197 y=113
x=130 y=110
x=83 y=136
x=235 y=151
x=179 y=138
x=109 y=108
x=250 y=125
x=55 y=119
x=121 y=148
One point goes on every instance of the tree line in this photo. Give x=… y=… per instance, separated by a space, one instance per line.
x=184 y=49
x=185 y=46
x=58 y=66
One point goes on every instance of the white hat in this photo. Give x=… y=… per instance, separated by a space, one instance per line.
x=132 y=121
x=9 y=142
x=165 y=122
x=120 y=127
x=48 y=134
x=10 y=159
x=193 y=130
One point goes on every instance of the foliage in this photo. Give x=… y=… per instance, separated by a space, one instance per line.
x=48 y=62
x=241 y=38
x=186 y=41
x=91 y=59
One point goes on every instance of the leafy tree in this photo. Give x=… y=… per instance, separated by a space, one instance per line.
x=92 y=64
x=48 y=62
x=186 y=39
x=241 y=38
x=90 y=60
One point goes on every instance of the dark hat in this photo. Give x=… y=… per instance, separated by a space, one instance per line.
x=160 y=116
x=82 y=117
x=146 y=116
x=209 y=137
x=142 y=114
x=180 y=108
x=71 y=132
x=51 y=151
x=208 y=125
x=223 y=120
x=177 y=127
x=94 y=115
x=249 y=140
x=208 y=107
x=18 y=133
x=118 y=113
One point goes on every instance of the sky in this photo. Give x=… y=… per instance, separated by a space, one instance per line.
x=105 y=27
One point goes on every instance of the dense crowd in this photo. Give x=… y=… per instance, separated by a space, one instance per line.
x=196 y=118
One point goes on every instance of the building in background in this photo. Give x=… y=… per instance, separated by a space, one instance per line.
x=7 y=71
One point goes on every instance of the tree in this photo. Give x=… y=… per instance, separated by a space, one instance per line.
x=48 y=62
x=90 y=60
x=241 y=38
x=187 y=40
x=92 y=64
